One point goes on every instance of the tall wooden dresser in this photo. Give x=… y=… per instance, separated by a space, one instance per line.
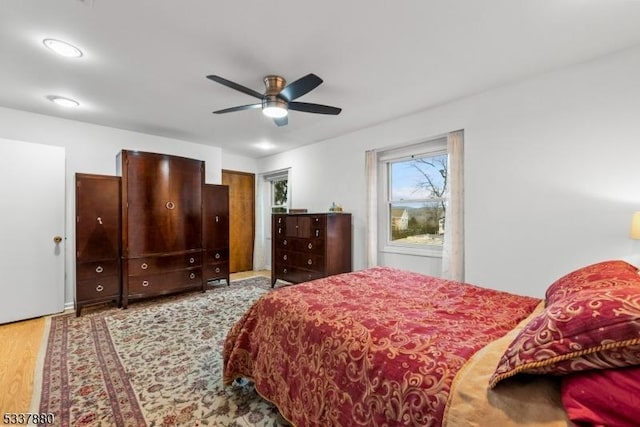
x=310 y=246
x=97 y=240
x=215 y=229
x=161 y=224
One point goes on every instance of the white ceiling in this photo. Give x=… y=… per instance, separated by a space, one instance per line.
x=145 y=61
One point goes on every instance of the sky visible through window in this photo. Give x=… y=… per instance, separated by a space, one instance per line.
x=408 y=182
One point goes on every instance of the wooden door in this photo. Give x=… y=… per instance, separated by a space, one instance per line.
x=241 y=218
x=32 y=184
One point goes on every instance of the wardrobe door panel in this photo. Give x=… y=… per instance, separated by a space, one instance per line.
x=186 y=175
x=97 y=217
x=148 y=217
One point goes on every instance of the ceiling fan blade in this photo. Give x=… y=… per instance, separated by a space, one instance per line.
x=282 y=121
x=238 y=108
x=301 y=86
x=314 y=108
x=235 y=86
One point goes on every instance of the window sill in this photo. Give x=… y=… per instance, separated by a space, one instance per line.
x=432 y=252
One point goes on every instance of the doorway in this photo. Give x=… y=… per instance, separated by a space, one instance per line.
x=242 y=198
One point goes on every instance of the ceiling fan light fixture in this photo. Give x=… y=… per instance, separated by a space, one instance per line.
x=274 y=107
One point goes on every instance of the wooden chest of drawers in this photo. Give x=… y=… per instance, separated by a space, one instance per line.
x=97 y=240
x=310 y=246
x=215 y=230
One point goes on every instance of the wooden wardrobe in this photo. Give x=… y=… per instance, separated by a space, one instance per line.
x=161 y=224
x=97 y=240
x=154 y=229
x=215 y=225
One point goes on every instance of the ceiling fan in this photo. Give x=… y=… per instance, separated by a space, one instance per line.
x=278 y=98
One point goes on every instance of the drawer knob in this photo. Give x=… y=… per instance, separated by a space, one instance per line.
x=310 y=246
x=191 y=260
x=317 y=233
x=144 y=266
x=284 y=257
x=99 y=219
x=99 y=269
x=284 y=242
x=99 y=288
x=145 y=283
x=192 y=276
x=309 y=261
x=217 y=255
x=284 y=270
x=170 y=205
x=217 y=218
x=217 y=269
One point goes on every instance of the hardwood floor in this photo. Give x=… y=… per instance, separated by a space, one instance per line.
x=19 y=349
x=18 y=354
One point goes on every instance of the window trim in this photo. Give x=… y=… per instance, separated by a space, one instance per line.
x=432 y=147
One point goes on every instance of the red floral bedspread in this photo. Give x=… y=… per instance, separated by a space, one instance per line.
x=378 y=347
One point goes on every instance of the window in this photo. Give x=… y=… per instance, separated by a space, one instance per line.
x=279 y=195
x=279 y=190
x=414 y=198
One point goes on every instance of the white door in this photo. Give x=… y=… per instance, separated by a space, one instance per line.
x=32 y=218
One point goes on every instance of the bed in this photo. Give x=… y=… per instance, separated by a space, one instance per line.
x=387 y=347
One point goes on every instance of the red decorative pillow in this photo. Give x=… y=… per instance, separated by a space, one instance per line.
x=603 y=397
x=604 y=274
x=591 y=329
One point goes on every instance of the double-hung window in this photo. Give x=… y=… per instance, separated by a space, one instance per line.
x=279 y=190
x=413 y=199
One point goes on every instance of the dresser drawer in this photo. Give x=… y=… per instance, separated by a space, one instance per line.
x=163 y=263
x=284 y=257
x=310 y=261
x=165 y=282
x=296 y=275
x=308 y=245
x=91 y=270
x=94 y=289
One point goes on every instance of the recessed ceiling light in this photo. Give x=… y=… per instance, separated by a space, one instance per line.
x=62 y=48
x=64 y=102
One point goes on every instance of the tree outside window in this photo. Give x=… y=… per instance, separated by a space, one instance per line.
x=279 y=195
x=417 y=199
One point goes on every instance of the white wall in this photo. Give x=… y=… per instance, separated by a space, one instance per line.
x=551 y=175
x=93 y=149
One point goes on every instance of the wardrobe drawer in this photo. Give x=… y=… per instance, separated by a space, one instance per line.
x=216 y=256
x=87 y=290
x=165 y=282
x=163 y=263
x=216 y=271
x=90 y=270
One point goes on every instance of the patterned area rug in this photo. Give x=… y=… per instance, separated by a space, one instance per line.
x=158 y=363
